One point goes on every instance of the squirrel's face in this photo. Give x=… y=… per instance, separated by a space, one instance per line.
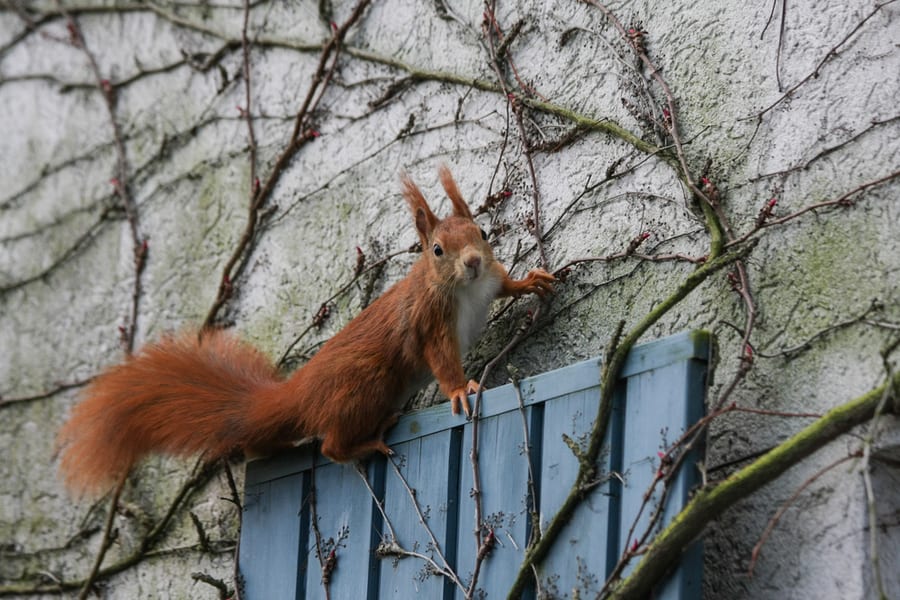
x=459 y=251
x=454 y=248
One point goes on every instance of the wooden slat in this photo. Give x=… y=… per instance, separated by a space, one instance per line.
x=272 y=506
x=503 y=469
x=584 y=537
x=666 y=351
x=661 y=405
x=344 y=514
x=423 y=464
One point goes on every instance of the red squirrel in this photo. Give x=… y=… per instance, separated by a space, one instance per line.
x=209 y=393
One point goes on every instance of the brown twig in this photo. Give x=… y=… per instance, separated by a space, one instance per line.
x=62 y=387
x=247 y=109
x=314 y=324
x=480 y=541
x=236 y=500
x=708 y=503
x=754 y=555
x=781 y=27
x=220 y=585
x=120 y=181
x=320 y=543
x=845 y=200
x=532 y=500
x=874 y=306
x=873 y=125
x=446 y=570
x=300 y=135
x=106 y=540
x=865 y=467
x=612 y=365
x=492 y=30
x=379 y=502
x=712 y=209
x=831 y=54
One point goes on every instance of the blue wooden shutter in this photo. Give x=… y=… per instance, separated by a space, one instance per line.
x=660 y=394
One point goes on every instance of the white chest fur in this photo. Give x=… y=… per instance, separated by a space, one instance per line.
x=473 y=300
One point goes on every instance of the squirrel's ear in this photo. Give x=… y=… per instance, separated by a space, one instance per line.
x=426 y=221
x=460 y=208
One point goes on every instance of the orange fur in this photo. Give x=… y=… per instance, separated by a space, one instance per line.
x=210 y=394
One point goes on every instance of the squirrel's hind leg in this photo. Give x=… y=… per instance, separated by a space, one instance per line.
x=337 y=447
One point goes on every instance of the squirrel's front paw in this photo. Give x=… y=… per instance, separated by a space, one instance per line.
x=539 y=281
x=460 y=398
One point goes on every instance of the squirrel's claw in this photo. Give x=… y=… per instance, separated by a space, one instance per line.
x=460 y=398
x=538 y=281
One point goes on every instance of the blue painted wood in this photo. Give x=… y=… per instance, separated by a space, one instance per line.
x=504 y=471
x=661 y=405
x=660 y=394
x=344 y=517
x=423 y=466
x=585 y=552
x=270 y=507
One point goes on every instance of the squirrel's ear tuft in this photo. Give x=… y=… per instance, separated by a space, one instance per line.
x=423 y=226
x=460 y=208
x=426 y=221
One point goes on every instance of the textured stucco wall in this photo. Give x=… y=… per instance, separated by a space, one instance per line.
x=67 y=275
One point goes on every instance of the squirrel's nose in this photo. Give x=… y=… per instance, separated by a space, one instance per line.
x=473 y=262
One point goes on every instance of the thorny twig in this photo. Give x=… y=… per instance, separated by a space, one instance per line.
x=327 y=563
x=754 y=555
x=845 y=200
x=831 y=54
x=106 y=539
x=302 y=133
x=120 y=181
x=446 y=570
x=868 y=442
x=491 y=30
x=61 y=387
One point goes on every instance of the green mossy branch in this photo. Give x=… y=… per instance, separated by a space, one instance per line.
x=709 y=503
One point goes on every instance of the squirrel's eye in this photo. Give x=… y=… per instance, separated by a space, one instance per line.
x=438 y=250
x=483 y=235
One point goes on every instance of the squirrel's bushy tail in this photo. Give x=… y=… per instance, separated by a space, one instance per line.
x=183 y=395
